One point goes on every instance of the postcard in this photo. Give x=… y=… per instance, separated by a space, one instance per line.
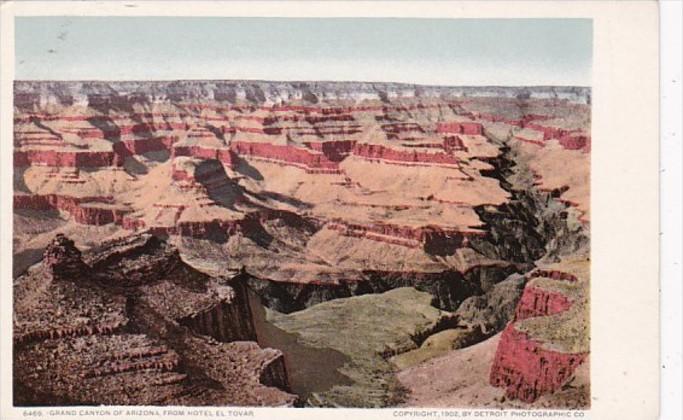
x=329 y=209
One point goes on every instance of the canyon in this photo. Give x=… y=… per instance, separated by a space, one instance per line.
x=332 y=244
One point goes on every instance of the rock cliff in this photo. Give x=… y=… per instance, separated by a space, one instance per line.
x=531 y=362
x=131 y=323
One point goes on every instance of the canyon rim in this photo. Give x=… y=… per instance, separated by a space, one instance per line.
x=312 y=243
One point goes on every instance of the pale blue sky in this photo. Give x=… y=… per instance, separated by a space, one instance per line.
x=428 y=51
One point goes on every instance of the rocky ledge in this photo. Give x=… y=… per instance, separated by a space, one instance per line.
x=540 y=350
x=131 y=323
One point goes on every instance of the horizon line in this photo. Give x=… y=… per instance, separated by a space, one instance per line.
x=298 y=81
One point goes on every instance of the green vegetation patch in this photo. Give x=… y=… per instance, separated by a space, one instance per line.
x=368 y=329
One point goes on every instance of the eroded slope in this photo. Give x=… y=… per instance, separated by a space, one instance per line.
x=131 y=323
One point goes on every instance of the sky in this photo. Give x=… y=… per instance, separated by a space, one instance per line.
x=506 y=52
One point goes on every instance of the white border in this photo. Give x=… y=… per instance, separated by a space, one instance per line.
x=671 y=187
x=624 y=189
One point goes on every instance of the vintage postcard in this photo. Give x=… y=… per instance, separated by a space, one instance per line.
x=250 y=211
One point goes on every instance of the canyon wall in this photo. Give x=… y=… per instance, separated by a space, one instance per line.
x=84 y=210
x=526 y=370
x=528 y=367
x=228 y=320
x=536 y=301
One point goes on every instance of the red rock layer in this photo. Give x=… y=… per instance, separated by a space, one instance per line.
x=527 y=370
x=452 y=143
x=575 y=142
x=424 y=145
x=93 y=159
x=226 y=156
x=324 y=157
x=333 y=150
x=126 y=148
x=523 y=366
x=310 y=160
x=569 y=139
x=470 y=128
x=548 y=132
x=56 y=158
x=536 y=301
x=320 y=157
x=376 y=152
x=84 y=210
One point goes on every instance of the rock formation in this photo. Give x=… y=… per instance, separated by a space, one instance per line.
x=131 y=323
x=62 y=260
x=309 y=198
x=531 y=360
